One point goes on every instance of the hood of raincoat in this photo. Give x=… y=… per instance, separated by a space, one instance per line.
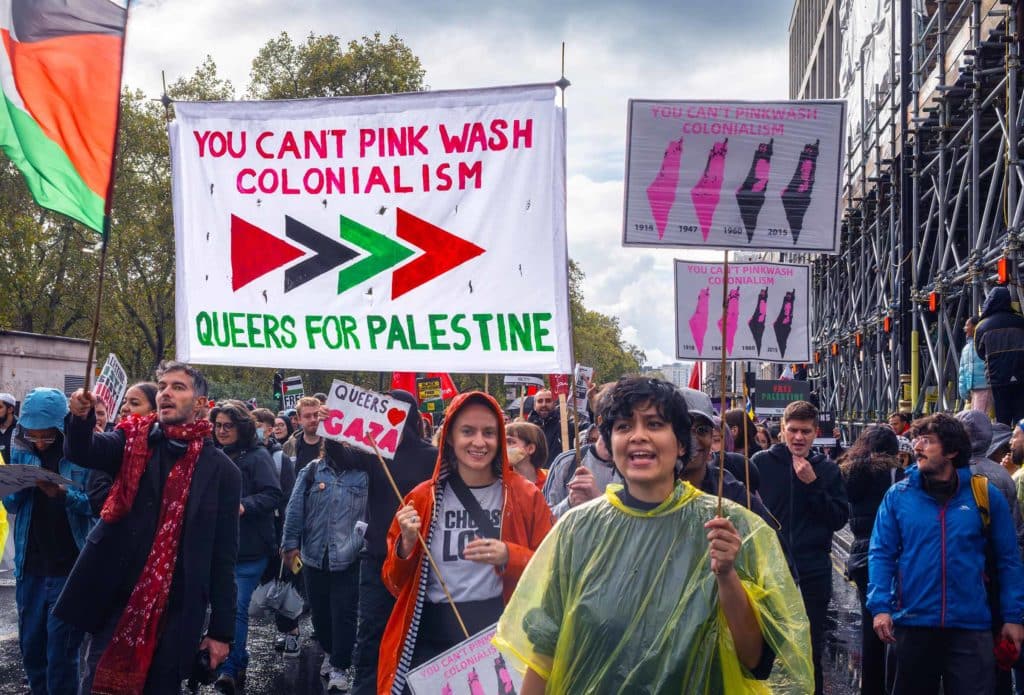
x=997 y=300
x=979 y=430
x=44 y=408
x=457 y=404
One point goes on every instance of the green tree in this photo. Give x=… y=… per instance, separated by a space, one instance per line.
x=597 y=338
x=322 y=67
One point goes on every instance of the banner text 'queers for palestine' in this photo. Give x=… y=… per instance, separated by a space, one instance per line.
x=521 y=332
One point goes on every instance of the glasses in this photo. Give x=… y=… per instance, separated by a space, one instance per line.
x=226 y=426
x=40 y=440
x=702 y=429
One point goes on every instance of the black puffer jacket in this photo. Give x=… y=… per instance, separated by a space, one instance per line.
x=261 y=496
x=999 y=339
x=866 y=484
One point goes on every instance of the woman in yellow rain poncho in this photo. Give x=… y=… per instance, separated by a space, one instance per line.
x=644 y=590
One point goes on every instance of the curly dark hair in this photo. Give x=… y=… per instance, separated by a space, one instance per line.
x=876 y=439
x=239 y=415
x=950 y=433
x=632 y=392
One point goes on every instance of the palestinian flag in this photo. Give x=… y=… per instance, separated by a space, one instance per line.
x=60 y=71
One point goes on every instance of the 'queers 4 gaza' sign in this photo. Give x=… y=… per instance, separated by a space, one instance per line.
x=373 y=233
x=355 y=413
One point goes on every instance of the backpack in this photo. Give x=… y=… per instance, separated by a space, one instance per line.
x=979 y=487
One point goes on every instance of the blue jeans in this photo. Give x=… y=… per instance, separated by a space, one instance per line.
x=247 y=578
x=49 y=646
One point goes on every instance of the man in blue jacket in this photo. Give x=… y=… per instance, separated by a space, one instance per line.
x=50 y=526
x=926 y=567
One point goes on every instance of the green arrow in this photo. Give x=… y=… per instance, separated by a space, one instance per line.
x=384 y=253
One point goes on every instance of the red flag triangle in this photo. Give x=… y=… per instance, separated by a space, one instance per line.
x=443 y=251
x=255 y=253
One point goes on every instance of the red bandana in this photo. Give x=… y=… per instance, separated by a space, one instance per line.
x=125 y=663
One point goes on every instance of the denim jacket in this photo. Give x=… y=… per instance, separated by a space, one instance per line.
x=322 y=513
x=76 y=502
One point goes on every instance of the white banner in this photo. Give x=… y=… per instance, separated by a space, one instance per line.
x=767 y=317
x=411 y=232
x=111 y=385
x=734 y=175
x=357 y=413
x=472 y=667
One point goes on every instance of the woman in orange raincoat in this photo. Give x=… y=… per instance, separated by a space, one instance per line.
x=482 y=522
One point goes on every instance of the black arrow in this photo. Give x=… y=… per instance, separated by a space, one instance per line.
x=329 y=254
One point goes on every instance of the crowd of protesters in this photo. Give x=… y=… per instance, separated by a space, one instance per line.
x=611 y=566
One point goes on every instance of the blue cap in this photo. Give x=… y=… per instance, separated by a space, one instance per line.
x=44 y=408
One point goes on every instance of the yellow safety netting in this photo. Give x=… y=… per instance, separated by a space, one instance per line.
x=621 y=601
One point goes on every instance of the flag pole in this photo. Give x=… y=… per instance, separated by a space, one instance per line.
x=108 y=206
x=99 y=302
x=725 y=321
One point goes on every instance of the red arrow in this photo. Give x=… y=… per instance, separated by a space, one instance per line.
x=443 y=251
x=255 y=253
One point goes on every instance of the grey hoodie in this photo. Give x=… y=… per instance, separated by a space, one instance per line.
x=562 y=470
x=979 y=430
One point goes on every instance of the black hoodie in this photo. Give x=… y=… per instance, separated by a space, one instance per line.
x=413 y=463
x=999 y=339
x=808 y=512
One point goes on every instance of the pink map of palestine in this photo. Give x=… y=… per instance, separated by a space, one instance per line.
x=661 y=194
x=706 y=193
x=699 y=321
x=732 y=315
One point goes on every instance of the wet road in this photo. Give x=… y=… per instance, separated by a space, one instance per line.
x=270 y=673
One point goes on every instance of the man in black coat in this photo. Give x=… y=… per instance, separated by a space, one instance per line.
x=546 y=415
x=414 y=462
x=111 y=564
x=806 y=494
x=999 y=340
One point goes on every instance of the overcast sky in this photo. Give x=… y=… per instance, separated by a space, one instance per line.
x=675 y=49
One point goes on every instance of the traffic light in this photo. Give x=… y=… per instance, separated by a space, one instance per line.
x=278 y=392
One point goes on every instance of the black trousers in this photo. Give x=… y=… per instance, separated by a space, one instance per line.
x=1009 y=403
x=375 y=606
x=962 y=660
x=334 y=602
x=872 y=679
x=816 y=589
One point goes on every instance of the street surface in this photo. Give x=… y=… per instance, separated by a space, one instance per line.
x=272 y=674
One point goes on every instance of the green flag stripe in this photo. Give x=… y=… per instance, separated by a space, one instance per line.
x=51 y=177
x=384 y=253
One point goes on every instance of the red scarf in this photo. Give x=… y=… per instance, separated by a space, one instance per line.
x=124 y=665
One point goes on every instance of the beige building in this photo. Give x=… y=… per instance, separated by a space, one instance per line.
x=29 y=360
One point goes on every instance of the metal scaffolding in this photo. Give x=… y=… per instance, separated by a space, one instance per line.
x=933 y=202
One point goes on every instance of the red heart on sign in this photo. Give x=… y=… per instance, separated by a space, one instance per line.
x=395 y=416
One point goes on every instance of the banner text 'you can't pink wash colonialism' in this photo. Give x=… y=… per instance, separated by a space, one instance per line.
x=734 y=175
